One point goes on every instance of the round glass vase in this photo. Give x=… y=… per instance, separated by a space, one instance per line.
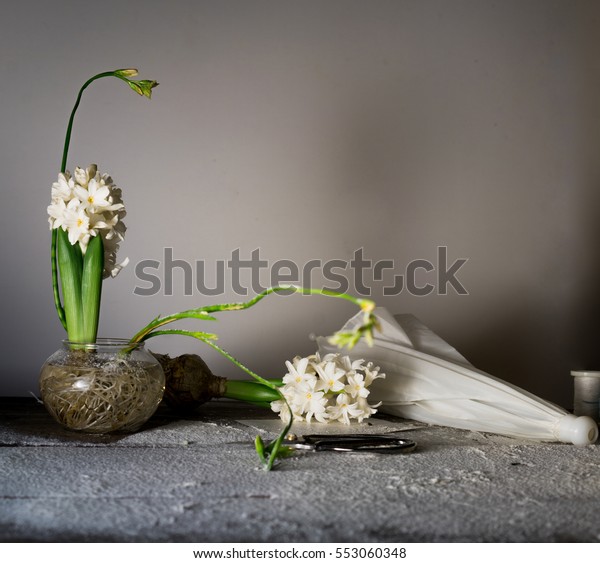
x=109 y=386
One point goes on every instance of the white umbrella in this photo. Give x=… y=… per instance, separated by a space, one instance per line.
x=429 y=381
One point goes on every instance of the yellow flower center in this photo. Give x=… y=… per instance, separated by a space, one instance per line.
x=91 y=199
x=79 y=222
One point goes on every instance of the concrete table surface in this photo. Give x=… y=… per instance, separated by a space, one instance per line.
x=196 y=479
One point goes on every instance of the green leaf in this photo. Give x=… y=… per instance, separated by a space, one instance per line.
x=191 y=314
x=70 y=265
x=57 y=301
x=259 y=446
x=91 y=287
x=203 y=336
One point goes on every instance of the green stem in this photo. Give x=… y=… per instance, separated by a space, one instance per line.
x=204 y=312
x=274 y=447
x=63 y=165
x=208 y=339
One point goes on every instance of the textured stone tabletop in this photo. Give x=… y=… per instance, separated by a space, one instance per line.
x=195 y=479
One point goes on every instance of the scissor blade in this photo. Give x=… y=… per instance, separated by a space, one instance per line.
x=395 y=446
x=360 y=443
x=312 y=438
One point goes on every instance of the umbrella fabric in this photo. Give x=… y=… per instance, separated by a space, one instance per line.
x=429 y=381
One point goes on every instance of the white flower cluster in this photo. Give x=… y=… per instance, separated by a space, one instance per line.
x=86 y=205
x=328 y=389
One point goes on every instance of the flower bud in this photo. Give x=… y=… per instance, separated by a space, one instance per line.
x=81 y=176
x=126 y=72
x=143 y=87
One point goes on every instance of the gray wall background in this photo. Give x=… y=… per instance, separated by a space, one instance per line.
x=308 y=130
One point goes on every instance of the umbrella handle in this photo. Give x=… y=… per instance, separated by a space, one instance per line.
x=578 y=430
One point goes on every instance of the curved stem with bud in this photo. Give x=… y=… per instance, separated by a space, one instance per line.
x=143 y=88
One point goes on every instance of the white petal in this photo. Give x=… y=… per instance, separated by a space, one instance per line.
x=82 y=194
x=73 y=236
x=74 y=204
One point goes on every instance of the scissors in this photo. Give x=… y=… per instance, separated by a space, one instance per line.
x=360 y=443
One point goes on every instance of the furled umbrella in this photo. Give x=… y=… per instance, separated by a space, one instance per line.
x=429 y=381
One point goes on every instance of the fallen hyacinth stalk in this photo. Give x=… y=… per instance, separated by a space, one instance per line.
x=330 y=389
x=268 y=453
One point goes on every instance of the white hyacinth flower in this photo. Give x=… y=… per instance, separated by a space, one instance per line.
x=329 y=377
x=88 y=204
x=356 y=386
x=314 y=404
x=333 y=388
x=284 y=413
x=366 y=409
x=297 y=374
x=63 y=188
x=57 y=211
x=372 y=373
x=344 y=410
x=77 y=224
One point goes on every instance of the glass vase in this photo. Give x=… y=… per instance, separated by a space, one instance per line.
x=109 y=386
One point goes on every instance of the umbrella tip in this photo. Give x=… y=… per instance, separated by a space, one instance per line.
x=578 y=430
